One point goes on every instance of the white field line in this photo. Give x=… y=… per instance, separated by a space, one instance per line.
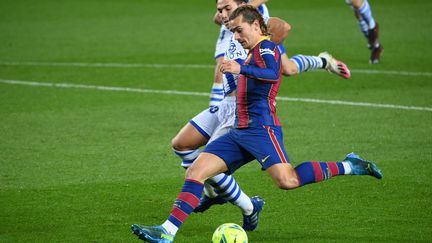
x=176 y=92
x=185 y=66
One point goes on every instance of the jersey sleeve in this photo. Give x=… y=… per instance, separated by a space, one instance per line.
x=267 y=63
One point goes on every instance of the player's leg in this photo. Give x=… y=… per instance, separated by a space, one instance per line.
x=368 y=26
x=228 y=189
x=194 y=134
x=287 y=177
x=302 y=63
x=187 y=142
x=205 y=166
x=224 y=185
x=270 y=152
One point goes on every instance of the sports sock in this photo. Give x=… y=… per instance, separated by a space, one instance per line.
x=187 y=156
x=308 y=63
x=313 y=172
x=364 y=27
x=365 y=12
x=186 y=202
x=227 y=187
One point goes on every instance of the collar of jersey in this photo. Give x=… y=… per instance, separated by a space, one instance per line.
x=261 y=39
x=250 y=53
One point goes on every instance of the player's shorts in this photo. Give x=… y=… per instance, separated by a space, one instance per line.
x=223 y=42
x=216 y=120
x=240 y=146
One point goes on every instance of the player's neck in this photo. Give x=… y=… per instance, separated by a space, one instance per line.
x=260 y=38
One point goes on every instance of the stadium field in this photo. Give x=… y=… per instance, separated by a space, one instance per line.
x=92 y=92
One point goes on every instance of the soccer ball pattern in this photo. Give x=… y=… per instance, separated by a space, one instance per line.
x=229 y=233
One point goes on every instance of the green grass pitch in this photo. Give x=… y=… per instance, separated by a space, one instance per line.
x=82 y=165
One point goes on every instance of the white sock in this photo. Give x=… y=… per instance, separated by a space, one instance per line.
x=307 y=63
x=347 y=168
x=227 y=188
x=170 y=227
x=366 y=13
x=187 y=156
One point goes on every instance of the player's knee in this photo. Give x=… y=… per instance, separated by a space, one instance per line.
x=289 y=68
x=287 y=183
x=179 y=144
x=357 y=3
x=192 y=173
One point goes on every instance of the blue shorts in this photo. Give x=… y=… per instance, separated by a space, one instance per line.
x=240 y=146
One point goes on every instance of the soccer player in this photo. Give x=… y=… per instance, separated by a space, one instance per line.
x=217 y=120
x=257 y=133
x=368 y=27
x=223 y=43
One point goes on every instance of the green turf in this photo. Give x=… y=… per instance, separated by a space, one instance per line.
x=82 y=165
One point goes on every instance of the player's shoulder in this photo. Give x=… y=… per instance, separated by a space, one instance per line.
x=267 y=45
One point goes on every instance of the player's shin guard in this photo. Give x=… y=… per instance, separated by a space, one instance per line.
x=186 y=202
x=313 y=172
x=227 y=187
x=308 y=63
x=187 y=156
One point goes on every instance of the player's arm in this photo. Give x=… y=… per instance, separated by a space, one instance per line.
x=270 y=70
x=278 y=29
x=217 y=92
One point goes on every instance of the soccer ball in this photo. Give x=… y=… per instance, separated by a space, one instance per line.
x=229 y=233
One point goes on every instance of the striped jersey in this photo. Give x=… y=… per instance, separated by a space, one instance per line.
x=236 y=52
x=258 y=84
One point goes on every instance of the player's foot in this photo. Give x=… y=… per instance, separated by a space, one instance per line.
x=153 y=234
x=335 y=66
x=360 y=166
x=207 y=202
x=250 y=222
x=376 y=54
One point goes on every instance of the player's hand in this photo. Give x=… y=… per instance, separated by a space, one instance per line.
x=230 y=66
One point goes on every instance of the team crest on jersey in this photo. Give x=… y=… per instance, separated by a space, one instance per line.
x=235 y=51
x=267 y=51
x=232 y=47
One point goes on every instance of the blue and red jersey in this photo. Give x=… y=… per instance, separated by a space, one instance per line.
x=258 y=84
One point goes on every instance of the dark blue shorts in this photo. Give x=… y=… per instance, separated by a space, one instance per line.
x=240 y=146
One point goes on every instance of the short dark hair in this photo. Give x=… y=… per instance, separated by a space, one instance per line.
x=238 y=1
x=241 y=1
x=250 y=14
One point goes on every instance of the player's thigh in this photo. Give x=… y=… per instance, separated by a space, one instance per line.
x=197 y=131
x=205 y=166
x=265 y=144
x=188 y=138
x=228 y=149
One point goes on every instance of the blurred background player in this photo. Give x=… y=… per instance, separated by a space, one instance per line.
x=368 y=27
x=257 y=133
x=219 y=119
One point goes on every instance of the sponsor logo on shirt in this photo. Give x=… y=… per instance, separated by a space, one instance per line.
x=267 y=51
